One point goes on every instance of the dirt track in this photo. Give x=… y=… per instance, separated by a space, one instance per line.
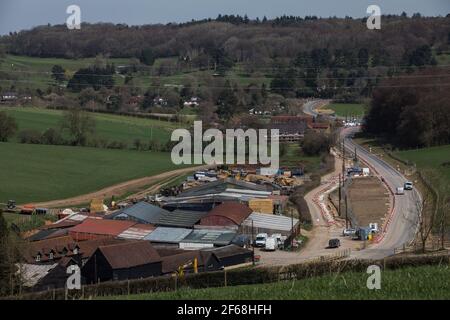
x=135 y=185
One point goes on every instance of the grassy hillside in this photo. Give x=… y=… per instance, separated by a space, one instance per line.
x=427 y=282
x=347 y=109
x=111 y=127
x=31 y=173
x=437 y=158
x=35 y=72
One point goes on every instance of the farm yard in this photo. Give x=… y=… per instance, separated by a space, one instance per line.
x=44 y=172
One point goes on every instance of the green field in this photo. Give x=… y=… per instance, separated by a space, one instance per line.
x=347 y=109
x=31 y=173
x=293 y=157
x=111 y=127
x=430 y=158
x=35 y=72
x=427 y=282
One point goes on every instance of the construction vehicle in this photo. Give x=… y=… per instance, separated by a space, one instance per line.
x=11 y=204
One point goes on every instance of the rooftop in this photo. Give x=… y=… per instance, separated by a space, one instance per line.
x=130 y=254
x=181 y=218
x=141 y=212
x=102 y=226
x=168 y=235
x=217 y=237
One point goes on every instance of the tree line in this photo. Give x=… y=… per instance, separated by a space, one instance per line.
x=412 y=111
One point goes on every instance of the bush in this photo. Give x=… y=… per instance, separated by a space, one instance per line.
x=30 y=136
x=52 y=137
x=314 y=144
x=8 y=126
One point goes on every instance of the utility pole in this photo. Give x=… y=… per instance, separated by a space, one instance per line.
x=346 y=211
x=292 y=230
x=340 y=198
x=253 y=245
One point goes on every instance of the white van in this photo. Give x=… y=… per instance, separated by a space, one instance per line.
x=271 y=244
x=400 y=191
x=260 y=240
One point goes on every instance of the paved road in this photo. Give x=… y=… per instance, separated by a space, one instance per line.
x=310 y=107
x=405 y=215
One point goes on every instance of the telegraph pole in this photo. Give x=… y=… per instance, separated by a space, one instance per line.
x=346 y=212
x=340 y=198
x=253 y=245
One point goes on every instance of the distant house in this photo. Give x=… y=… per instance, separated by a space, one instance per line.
x=291 y=128
x=9 y=96
x=230 y=214
x=50 y=250
x=320 y=127
x=141 y=212
x=192 y=102
x=131 y=260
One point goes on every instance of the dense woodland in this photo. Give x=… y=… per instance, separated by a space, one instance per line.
x=412 y=110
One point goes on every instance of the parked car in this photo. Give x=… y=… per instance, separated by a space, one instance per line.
x=408 y=185
x=400 y=191
x=348 y=232
x=242 y=240
x=271 y=244
x=260 y=240
x=334 y=243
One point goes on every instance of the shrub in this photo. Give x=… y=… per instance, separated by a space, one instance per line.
x=30 y=136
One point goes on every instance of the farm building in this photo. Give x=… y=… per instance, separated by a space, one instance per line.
x=41 y=277
x=141 y=212
x=168 y=235
x=99 y=228
x=50 y=250
x=219 y=186
x=176 y=204
x=137 y=232
x=88 y=247
x=131 y=260
x=181 y=218
x=206 y=261
x=231 y=255
x=207 y=238
x=269 y=224
x=227 y=214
